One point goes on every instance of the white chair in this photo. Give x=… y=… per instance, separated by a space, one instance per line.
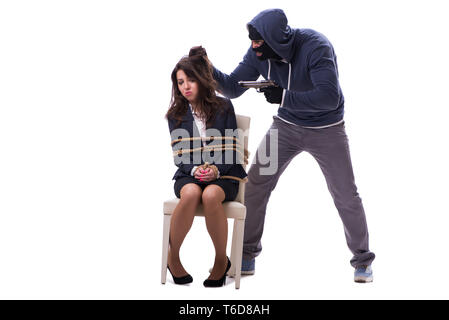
x=233 y=209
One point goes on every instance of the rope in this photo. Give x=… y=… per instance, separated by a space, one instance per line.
x=222 y=147
x=207 y=139
x=214 y=168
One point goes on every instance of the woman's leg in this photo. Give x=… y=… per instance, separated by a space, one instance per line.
x=181 y=222
x=217 y=226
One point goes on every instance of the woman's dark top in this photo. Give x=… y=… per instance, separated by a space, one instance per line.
x=224 y=150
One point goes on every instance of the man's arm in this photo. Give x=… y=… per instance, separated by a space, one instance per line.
x=325 y=95
x=228 y=84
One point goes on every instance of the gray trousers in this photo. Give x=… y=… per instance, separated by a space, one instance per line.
x=329 y=147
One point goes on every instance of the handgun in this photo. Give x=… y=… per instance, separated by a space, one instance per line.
x=257 y=84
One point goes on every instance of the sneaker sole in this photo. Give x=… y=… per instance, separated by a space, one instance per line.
x=363 y=280
x=248 y=273
x=243 y=273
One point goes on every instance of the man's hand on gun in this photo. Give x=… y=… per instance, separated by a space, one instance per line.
x=273 y=93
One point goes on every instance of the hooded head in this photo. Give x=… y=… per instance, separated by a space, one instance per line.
x=271 y=25
x=263 y=51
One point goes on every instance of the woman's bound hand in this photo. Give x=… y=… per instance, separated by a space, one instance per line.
x=206 y=173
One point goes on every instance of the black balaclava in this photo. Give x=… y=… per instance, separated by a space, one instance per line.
x=267 y=52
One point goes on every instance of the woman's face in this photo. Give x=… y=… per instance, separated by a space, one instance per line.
x=187 y=86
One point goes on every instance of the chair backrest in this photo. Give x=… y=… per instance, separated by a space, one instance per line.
x=243 y=124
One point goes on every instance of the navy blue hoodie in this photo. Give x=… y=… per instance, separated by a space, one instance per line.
x=308 y=74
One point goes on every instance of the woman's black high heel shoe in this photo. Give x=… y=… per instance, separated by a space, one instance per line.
x=220 y=282
x=181 y=280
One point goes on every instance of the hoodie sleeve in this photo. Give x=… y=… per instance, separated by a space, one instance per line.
x=228 y=84
x=323 y=73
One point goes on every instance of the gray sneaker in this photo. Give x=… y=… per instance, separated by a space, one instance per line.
x=248 y=267
x=363 y=274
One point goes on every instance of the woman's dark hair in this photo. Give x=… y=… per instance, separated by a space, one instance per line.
x=198 y=67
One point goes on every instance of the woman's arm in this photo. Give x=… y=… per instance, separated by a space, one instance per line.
x=185 y=166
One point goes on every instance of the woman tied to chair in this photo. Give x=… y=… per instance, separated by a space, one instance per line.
x=195 y=108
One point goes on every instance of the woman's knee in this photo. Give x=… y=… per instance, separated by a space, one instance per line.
x=191 y=192
x=212 y=195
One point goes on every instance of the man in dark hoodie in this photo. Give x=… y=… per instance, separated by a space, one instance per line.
x=303 y=64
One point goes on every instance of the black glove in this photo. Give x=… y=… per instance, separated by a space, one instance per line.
x=273 y=94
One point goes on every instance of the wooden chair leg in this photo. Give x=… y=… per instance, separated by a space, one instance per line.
x=231 y=272
x=239 y=226
x=165 y=243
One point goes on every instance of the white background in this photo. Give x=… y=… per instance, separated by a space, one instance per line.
x=85 y=161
